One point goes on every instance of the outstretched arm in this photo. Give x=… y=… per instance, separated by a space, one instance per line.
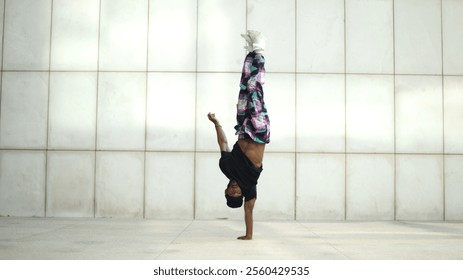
x=221 y=138
x=248 y=219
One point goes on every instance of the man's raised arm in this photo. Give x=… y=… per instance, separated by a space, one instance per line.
x=221 y=138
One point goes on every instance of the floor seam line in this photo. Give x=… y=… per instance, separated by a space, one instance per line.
x=326 y=241
x=174 y=239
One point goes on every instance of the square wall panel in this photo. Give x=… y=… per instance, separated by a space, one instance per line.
x=76 y=50
x=320 y=113
x=419 y=187
x=276 y=188
x=320 y=187
x=22 y=183
x=454 y=188
x=169 y=186
x=24 y=110
x=217 y=93
x=418 y=40
x=119 y=184
x=452 y=36
x=123 y=35
x=72 y=115
x=320 y=36
x=370 y=113
x=220 y=46
x=172 y=35
x=26 y=41
x=418 y=109
x=453 y=114
x=171 y=111
x=369 y=36
x=72 y=194
x=210 y=185
x=275 y=19
x=370 y=187
x=279 y=95
x=121 y=111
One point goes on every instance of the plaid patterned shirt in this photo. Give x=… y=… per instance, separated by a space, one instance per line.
x=252 y=118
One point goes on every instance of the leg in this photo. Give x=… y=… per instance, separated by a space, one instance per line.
x=252 y=118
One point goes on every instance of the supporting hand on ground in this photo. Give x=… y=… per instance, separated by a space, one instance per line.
x=244 y=238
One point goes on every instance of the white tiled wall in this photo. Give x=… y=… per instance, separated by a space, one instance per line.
x=321 y=187
x=76 y=50
x=453 y=114
x=282 y=88
x=320 y=36
x=275 y=19
x=119 y=184
x=121 y=111
x=370 y=187
x=169 y=185
x=26 y=35
x=418 y=114
x=452 y=36
x=215 y=92
x=453 y=187
x=369 y=37
x=276 y=190
x=217 y=50
x=419 y=187
x=370 y=113
x=418 y=36
x=320 y=113
x=24 y=110
x=71 y=184
x=172 y=33
x=103 y=108
x=123 y=35
x=22 y=183
x=169 y=94
x=72 y=110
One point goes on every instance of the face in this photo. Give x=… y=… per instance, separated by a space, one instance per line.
x=233 y=189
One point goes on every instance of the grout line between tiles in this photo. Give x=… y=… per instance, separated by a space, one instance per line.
x=211 y=151
x=1 y=66
x=96 y=115
x=195 y=112
x=227 y=72
x=443 y=112
x=345 y=110
x=146 y=109
x=48 y=111
x=295 y=110
x=394 y=112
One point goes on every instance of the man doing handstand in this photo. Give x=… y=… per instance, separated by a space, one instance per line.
x=243 y=164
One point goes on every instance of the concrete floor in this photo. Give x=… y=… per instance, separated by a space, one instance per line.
x=109 y=239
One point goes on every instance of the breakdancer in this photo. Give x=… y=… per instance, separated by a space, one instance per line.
x=243 y=164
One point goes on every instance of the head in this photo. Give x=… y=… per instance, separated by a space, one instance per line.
x=233 y=195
